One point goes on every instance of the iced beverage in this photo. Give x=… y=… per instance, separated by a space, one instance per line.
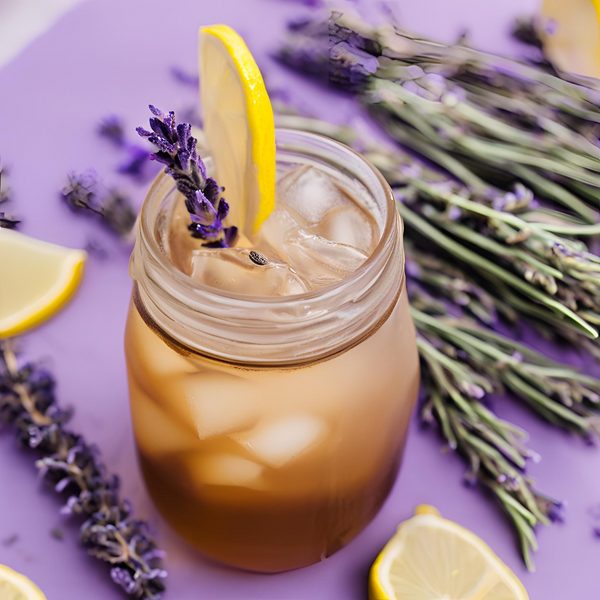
x=272 y=383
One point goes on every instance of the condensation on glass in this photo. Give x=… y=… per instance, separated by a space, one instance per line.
x=270 y=429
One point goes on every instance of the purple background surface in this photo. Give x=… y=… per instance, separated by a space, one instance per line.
x=113 y=56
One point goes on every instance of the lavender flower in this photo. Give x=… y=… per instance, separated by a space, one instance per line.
x=73 y=468
x=137 y=159
x=80 y=192
x=184 y=77
x=112 y=129
x=177 y=150
x=83 y=193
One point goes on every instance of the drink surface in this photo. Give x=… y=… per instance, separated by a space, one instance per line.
x=263 y=467
x=317 y=235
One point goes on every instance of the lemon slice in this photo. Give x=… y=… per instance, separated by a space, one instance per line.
x=14 y=586
x=431 y=558
x=36 y=279
x=239 y=126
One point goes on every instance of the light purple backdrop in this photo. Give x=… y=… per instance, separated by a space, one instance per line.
x=113 y=56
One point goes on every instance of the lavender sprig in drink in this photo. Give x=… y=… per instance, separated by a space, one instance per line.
x=176 y=148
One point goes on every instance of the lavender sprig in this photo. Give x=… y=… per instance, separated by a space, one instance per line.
x=558 y=392
x=84 y=193
x=449 y=282
x=176 y=148
x=185 y=77
x=135 y=165
x=460 y=365
x=73 y=468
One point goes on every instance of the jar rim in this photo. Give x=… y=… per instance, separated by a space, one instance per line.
x=145 y=228
x=267 y=330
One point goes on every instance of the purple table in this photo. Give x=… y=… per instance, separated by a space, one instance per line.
x=113 y=56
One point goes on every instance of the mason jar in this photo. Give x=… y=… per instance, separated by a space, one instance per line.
x=270 y=430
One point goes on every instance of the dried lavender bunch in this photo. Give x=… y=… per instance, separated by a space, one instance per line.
x=177 y=150
x=558 y=392
x=84 y=193
x=137 y=157
x=557 y=273
x=7 y=220
x=462 y=363
x=447 y=281
x=482 y=117
x=73 y=468
x=444 y=279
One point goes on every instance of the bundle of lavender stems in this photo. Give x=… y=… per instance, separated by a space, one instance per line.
x=495 y=165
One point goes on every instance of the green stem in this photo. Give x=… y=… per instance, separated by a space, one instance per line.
x=485 y=266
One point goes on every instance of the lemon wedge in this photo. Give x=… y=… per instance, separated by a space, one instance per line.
x=238 y=125
x=36 y=280
x=431 y=558
x=14 y=586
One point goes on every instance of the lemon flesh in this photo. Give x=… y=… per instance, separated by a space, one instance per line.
x=575 y=45
x=238 y=125
x=431 y=558
x=14 y=586
x=36 y=280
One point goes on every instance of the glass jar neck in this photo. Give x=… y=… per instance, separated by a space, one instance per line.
x=273 y=331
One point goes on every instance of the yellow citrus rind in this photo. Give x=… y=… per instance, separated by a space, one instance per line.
x=38 y=279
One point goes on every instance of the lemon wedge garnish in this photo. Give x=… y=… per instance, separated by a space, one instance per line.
x=238 y=125
x=14 y=586
x=431 y=558
x=36 y=279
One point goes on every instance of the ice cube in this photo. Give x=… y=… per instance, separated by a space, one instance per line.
x=149 y=356
x=319 y=261
x=275 y=230
x=277 y=442
x=311 y=193
x=219 y=403
x=348 y=225
x=224 y=469
x=232 y=270
x=157 y=432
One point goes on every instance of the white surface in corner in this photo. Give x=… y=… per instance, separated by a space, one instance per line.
x=21 y=21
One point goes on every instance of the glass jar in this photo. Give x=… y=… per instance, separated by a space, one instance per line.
x=270 y=429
